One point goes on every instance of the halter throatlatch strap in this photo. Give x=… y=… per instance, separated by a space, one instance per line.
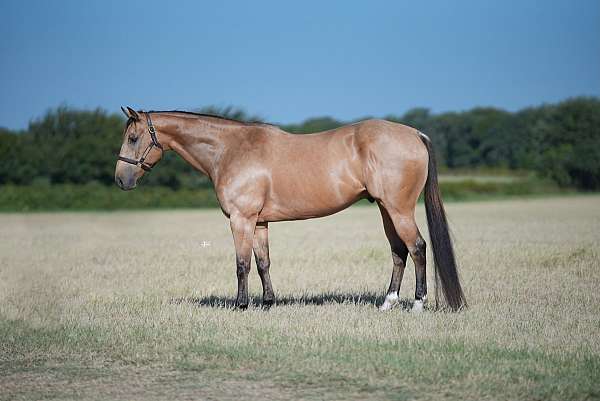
x=153 y=143
x=152 y=132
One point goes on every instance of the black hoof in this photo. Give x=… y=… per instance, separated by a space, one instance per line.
x=242 y=307
x=267 y=303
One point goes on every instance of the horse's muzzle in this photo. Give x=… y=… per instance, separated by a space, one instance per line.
x=126 y=184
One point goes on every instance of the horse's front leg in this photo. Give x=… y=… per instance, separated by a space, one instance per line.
x=261 y=255
x=242 y=228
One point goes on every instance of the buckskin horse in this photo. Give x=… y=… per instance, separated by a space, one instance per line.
x=262 y=174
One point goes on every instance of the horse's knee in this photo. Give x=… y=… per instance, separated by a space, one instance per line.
x=243 y=267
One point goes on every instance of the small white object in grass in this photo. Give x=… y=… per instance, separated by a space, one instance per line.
x=418 y=306
x=390 y=301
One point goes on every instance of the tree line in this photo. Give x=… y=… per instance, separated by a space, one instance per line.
x=557 y=141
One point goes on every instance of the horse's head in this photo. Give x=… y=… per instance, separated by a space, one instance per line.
x=140 y=150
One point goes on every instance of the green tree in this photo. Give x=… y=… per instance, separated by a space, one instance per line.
x=560 y=141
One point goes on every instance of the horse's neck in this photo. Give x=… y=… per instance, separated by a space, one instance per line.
x=200 y=142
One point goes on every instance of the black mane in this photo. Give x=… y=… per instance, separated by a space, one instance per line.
x=208 y=115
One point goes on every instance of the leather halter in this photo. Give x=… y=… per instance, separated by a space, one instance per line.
x=154 y=143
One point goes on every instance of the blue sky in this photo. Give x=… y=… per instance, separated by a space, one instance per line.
x=287 y=61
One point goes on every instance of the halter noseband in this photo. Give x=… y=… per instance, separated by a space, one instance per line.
x=141 y=162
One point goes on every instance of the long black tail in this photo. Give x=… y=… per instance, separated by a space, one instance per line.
x=443 y=254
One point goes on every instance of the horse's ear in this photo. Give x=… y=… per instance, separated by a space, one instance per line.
x=125 y=112
x=133 y=114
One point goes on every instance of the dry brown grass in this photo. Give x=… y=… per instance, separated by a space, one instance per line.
x=130 y=306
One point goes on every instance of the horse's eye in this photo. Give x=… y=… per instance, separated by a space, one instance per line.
x=133 y=139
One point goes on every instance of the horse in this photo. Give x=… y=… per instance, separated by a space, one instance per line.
x=262 y=174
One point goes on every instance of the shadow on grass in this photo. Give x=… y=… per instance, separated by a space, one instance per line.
x=367 y=298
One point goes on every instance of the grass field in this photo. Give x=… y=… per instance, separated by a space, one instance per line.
x=130 y=305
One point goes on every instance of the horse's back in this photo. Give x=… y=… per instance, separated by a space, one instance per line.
x=311 y=175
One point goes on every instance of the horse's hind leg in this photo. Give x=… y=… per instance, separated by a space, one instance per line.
x=261 y=255
x=399 y=254
x=407 y=230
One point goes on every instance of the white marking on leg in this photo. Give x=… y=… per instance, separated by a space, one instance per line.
x=418 y=306
x=390 y=301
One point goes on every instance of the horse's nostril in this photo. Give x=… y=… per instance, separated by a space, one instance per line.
x=119 y=182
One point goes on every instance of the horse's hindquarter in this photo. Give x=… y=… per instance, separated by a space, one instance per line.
x=395 y=162
x=312 y=175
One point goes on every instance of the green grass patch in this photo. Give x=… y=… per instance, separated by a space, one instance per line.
x=100 y=197
x=395 y=368
x=477 y=188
